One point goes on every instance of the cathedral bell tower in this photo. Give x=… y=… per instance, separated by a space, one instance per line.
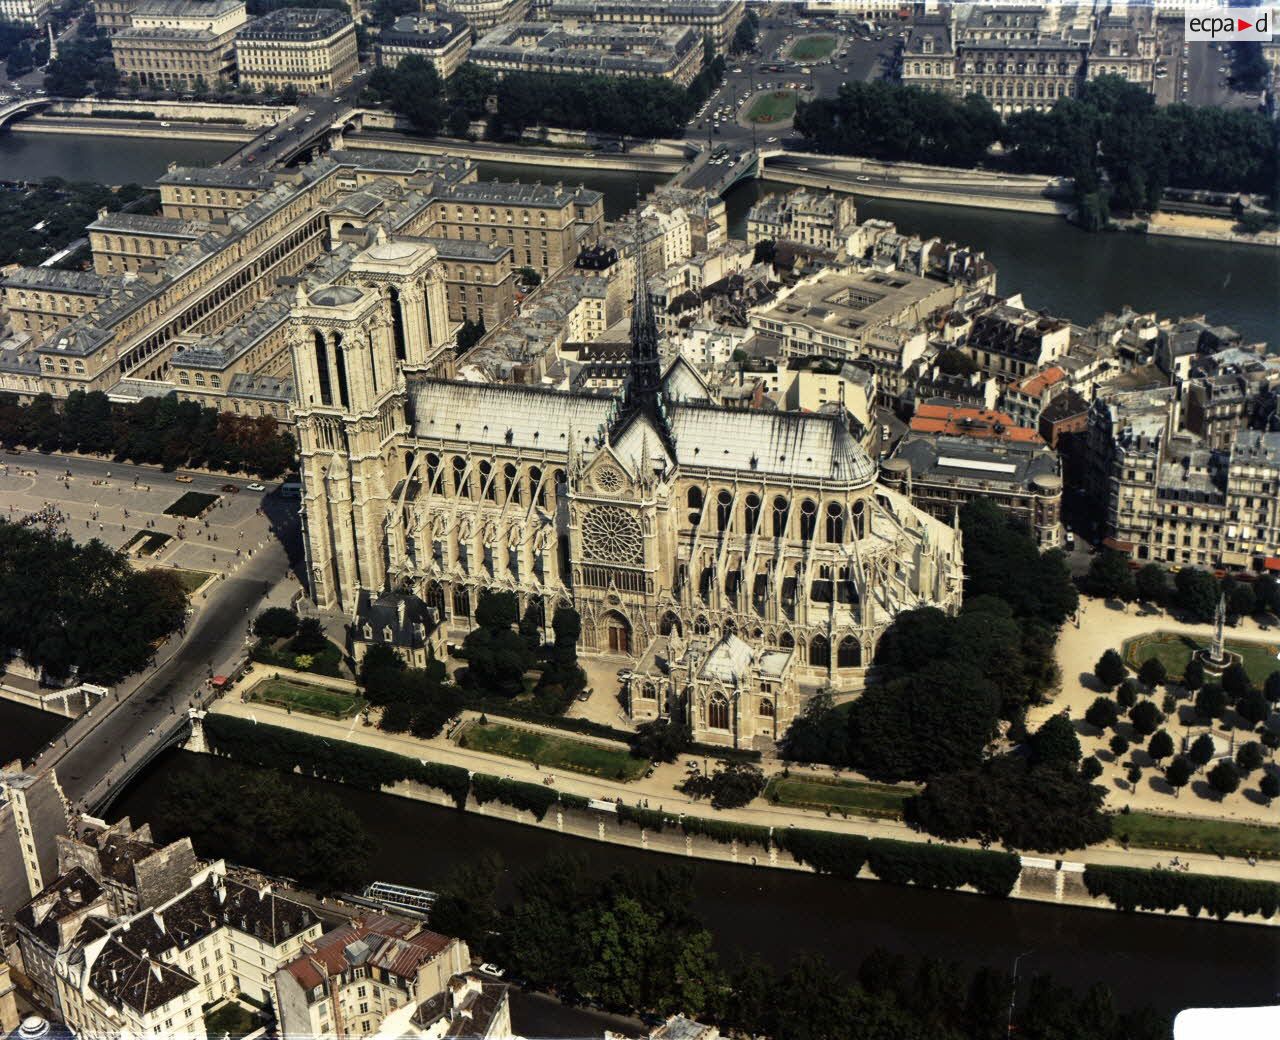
x=349 y=408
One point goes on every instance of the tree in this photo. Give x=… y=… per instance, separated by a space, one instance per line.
x=1152 y=673
x=1224 y=778
x=310 y=638
x=1271 y=688
x=1091 y=768
x=731 y=786
x=1193 y=675
x=275 y=623
x=1178 y=774
x=1133 y=774
x=1160 y=746
x=818 y=734
x=1127 y=694
x=1102 y=713
x=1249 y=757
x=661 y=740
x=1110 y=669
x=529 y=276
x=1235 y=680
x=1197 y=593
x=1211 y=702
x=396 y=717
x=1152 y=583
x=1202 y=750
x=1146 y=718
x=1056 y=742
x=1110 y=576
x=1269 y=786
x=1253 y=708
x=1118 y=744
x=1241 y=600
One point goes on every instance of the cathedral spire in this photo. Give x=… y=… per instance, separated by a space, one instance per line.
x=644 y=382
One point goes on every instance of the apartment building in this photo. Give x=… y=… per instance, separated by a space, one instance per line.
x=1013 y=343
x=153 y=973
x=312 y=50
x=480 y=279
x=32 y=813
x=672 y=52
x=349 y=981
x=483 y=15
x=212 y=194
x=113 y=15
x=443 y=40
x=940 y=472
x=717 y=19
x=822 y=220
x=26 y=12
x=179 y=44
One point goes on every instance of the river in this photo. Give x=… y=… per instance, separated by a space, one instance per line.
x=25 y=731
x=1054 y=265
x=1169 y=962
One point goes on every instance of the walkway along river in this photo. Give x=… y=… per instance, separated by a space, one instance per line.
x=1168 y=962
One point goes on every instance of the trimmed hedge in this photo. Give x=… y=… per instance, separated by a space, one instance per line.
x=943 y=866
x=840 y=855
x=1129 y=887
x=726 y=832
x=649 y=819
x=531 y=797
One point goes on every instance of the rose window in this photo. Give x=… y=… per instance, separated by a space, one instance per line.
x=612 y=534
x=608 y=479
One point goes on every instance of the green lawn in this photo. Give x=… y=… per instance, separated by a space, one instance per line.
x=553 y=752
x=192 y=580
x=864 y=799
x=1174 y=651
x=314 y=700
x=147 y=543
x=813 y=48
x=193 y=503
x=774 y=107
x=1198 y=834
x=231 y=1019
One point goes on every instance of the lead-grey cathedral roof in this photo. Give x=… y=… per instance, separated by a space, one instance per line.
x=533 y=418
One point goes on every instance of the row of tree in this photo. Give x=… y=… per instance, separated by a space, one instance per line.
x=155 y=431
x=631 y=941
x=889 y=121
x=1193 y=591
x=1122 y=150
x=65 y=606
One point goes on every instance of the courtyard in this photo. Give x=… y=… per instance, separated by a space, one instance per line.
x=313 y=700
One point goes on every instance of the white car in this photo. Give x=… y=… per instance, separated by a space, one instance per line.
x=257 y=487
x=493 y=969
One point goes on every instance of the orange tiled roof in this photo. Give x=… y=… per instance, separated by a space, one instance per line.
x=971 y=422
x=1036 y=383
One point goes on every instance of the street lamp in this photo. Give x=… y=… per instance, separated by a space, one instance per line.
x=1013 y=994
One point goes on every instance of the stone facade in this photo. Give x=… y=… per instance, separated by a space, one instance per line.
x=715 y=18
x=179 y=44
x=443 y=41
x=312 y=50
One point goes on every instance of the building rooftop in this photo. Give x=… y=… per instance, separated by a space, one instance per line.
x=69 y=894
x=971 y=460
x=297 y=23
x=424 y=30
x=957 y=421
x=55 y=279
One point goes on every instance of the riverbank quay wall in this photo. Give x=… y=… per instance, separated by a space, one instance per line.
x=248 y=115
x=1037 y=879
x=137 y=128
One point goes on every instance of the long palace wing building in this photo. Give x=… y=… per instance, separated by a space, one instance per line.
x=739 y=560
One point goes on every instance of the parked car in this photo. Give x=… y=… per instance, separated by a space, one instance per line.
x=231 y=489
x=492 y=969
x=182 y=478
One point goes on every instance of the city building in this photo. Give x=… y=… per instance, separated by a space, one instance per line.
x=823 y=220
x=1125 y=45
x=1012 y=343
x=717 y=19
x=443 y=40
x=645 y=512
x=179 y=44
x=352 y=980
x=310 y=49
x=123 y=242
x=153 y=974
x=133 y=871
x=33 y=812
x=50 y=921
x=26 y=12
x=958 y=421
x=211 y=194
x=112 y=15
x=672 y=52
x=44 y=299
x=874 y=316
x=941 y=472
x=483 y=15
